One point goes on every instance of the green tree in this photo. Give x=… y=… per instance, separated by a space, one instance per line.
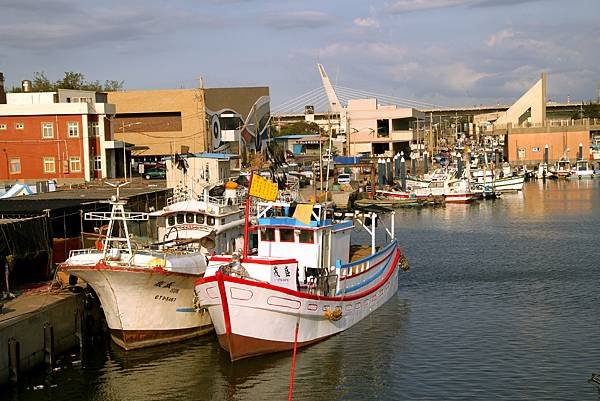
x=299 y=128
x=587 y=110
x=71 y=80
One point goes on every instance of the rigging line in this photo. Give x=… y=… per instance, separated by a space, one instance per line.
x=299 y=99
x=304 y=95
x=385 y=98
x=320 y=99
x=380 y=95
x=390 y=97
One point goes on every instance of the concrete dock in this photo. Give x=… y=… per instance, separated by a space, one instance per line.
x=35 y=327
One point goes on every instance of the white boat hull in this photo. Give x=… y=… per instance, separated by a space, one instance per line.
x=253 y=318
x=144 y=306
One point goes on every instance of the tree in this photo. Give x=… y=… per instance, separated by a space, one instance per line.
x=41 y=83
x=587 y=110
x=299 y=128
x=71 y=80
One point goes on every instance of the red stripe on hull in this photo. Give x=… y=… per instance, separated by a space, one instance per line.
x=240 y=347
x=134 y=339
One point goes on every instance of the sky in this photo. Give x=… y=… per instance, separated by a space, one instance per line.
x=444 y=52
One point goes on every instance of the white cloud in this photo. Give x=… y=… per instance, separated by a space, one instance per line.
x=499 y=37
x=366 y=22
x=298 y=20
x=372 y=51
x=406 y=6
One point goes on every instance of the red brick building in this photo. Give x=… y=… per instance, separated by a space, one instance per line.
x=64 y=136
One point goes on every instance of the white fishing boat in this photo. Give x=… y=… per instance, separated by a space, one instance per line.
x=147 y=293
x=453 y=189
x=304 y=285
x=209 y=223
x=581 y=170
x=561 y=169
x=542 y=171
x=498 y=182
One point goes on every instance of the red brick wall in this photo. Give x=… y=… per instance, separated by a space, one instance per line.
x=28 y=145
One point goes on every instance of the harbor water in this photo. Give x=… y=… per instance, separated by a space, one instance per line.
x=502 y=303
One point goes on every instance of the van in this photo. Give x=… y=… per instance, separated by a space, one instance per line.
x=344 y=178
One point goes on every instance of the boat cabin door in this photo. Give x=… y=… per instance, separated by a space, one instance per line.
x=326 y=249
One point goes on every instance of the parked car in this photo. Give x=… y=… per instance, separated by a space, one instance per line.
x=344 y=178
x=155 y=173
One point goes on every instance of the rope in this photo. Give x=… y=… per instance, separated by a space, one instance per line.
x=294 y=359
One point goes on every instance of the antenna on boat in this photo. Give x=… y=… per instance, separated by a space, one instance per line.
x=118 y=186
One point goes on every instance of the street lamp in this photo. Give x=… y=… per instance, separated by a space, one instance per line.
x=123 y=126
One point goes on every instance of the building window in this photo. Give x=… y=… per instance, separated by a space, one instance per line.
x=49 y=165
x=97 y=163
x=94 y=129
x=267 y=234
x=74 y=163
x=20 y=126
x=286 y=235
x=306 y=237
x=15 y=165
x=47 y=130
x=73 y=128
x=2 y=126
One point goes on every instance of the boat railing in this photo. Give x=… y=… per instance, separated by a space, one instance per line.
x=85 y=251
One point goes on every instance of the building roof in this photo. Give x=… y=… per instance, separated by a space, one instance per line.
x=304 y=136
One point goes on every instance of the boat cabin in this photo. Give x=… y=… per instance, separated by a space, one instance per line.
x=211 y=224
x=319 y=245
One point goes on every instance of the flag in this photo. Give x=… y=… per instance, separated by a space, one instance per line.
x=263 y=188
x=303 y=212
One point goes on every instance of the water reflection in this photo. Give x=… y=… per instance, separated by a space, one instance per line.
x=501 y=302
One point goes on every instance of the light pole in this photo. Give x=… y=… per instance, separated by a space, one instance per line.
x=123 y=126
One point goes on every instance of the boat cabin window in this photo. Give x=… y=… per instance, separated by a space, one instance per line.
x=306 y=237
x=200 y=218
x=210 y=220
x=286 y=235
x=268 y=234
x=223 y=221
x=171 y=220
x=180 y=218
x=189 y=218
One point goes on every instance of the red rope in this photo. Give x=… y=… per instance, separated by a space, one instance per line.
x=294 y=361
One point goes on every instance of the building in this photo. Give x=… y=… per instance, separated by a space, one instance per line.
x=161 y=123
x=63 y=136
x=380 y=130
x=195 y=172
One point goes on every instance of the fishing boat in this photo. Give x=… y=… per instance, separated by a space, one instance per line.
x=305 y=284
x=561 y=169
x=582 y=170
x=147 y=291
x=209 y=223
x=454 y=189
x=499 y=182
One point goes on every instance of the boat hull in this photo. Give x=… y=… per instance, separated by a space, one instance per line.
x=253 y=318
x=143 y=306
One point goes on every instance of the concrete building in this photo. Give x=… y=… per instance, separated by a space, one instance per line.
x=526 y=145
x=380 y=130
x=63 y=136
x=161 y=123
x=201 y=170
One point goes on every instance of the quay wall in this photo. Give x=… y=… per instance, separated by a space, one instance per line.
x=24 y=319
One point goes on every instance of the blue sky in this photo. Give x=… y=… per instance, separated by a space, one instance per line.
x=445 y=52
